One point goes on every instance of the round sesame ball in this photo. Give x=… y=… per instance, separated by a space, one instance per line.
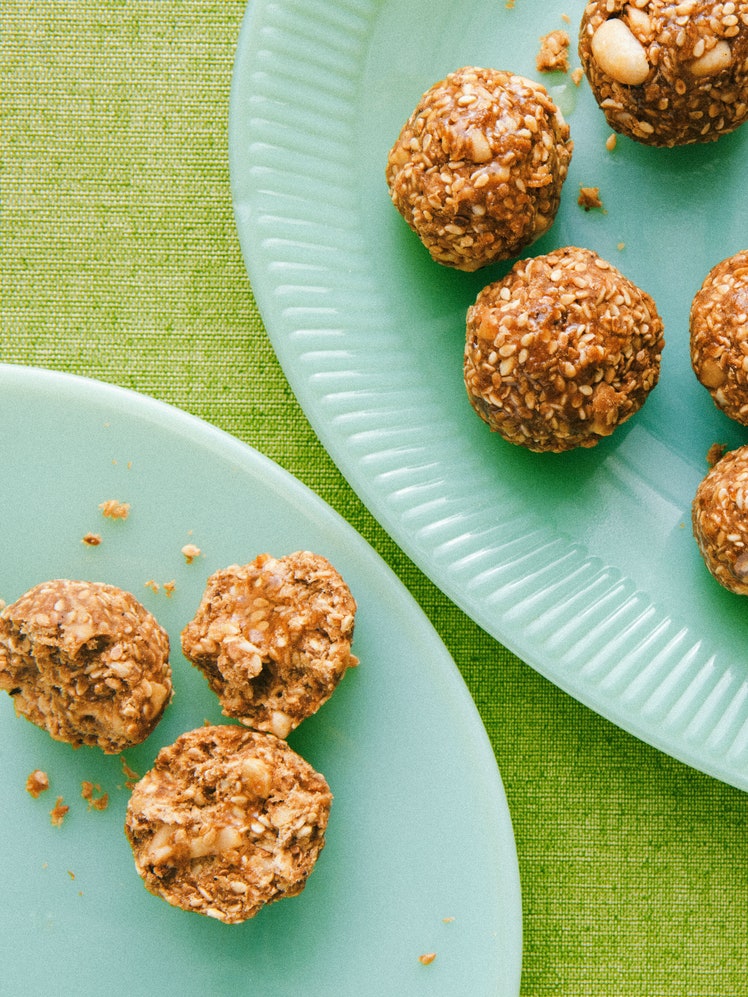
x=666 y=73
x=227 y=821
x=478 y=167
x=719 y=515
x=273 y=638
x=86 y=662
x=719 y=335
x=561 y=351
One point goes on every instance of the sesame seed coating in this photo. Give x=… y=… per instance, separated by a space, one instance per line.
x=561 y=351
x=227 y=821
x=86 y=662
x=273 y=638
x=668 y=73
x=719 y=335
x=478 y=167
x=719 y=515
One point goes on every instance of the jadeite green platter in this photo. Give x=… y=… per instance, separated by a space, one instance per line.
x=581 y=563
x=420 y=853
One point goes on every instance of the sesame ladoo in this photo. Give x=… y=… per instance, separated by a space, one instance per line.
x=86 y=662
x=719 y=335
x=665 y=73
x=273 y=638
x=478 y=167
x=227 y=821
x=719 y=515
x=561 y=351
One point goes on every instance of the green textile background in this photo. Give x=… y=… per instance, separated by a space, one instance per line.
x=121 y=262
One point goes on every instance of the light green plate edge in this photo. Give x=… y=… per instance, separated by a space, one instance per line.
x=420 y=830
x=582 y=563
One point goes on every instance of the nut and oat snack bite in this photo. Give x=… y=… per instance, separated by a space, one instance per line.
x=478 y=167
x=86 y=662
x=273 y=638
x=227 y=821
x=668 y=73
x=719 y=335
x=561 y=351
x=719 y=515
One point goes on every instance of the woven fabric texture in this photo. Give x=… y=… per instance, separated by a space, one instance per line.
x=121 y=262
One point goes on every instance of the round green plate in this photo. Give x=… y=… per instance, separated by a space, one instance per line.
x=420 y=854
x=581 y=563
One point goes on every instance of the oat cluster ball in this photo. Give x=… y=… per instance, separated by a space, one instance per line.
x=86 y=662
x=273 y=638
x=719 y=514
x=227 y=821
x=478 y=167
x=561 y=351
x=719 y=335
x=668 y=73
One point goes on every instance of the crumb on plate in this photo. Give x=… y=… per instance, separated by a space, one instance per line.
x=88 y=792
x=113 y=509
x=589 y=198
x=58 y=813
x=554 y=52
x=37 y=783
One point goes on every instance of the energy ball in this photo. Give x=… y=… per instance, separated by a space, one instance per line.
x=666 y=73
x=561 y=351
x=719 y=335
x=478 y=167
x=86 y=662
x=719 y=515
x=273 y=638
x=227 y=821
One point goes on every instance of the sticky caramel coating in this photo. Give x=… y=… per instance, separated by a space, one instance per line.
x=273 y=638
x=719 y=515
x=561 y=351
x=227 y=821
x=478 y=167
x=719 y=335
x=86 y=662
x=668 y=73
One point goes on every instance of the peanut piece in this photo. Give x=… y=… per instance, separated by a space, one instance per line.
x=713 y=61
x=619 y=54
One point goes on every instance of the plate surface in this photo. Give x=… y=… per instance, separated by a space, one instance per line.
x=581 y=563
x=419 y=832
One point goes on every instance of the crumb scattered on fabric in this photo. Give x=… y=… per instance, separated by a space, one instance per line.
x=58 y=813
x=554 y=52
x=71 y=874
x=427 y=958
x=153 y=586
x=169 y=588
x=715 y=453
x=113 y=509
x=611 y=142
x=589 y=198
x=577 y=75
x=621 y=246
x=190 y=552
x=92 y=539
x=37 y=783
x=88 y=792
x=447 y=920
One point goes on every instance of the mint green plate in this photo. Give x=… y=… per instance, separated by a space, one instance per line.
x=581 y=563
x=420 y=854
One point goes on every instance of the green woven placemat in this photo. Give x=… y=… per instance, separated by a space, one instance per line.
x=121 y=262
